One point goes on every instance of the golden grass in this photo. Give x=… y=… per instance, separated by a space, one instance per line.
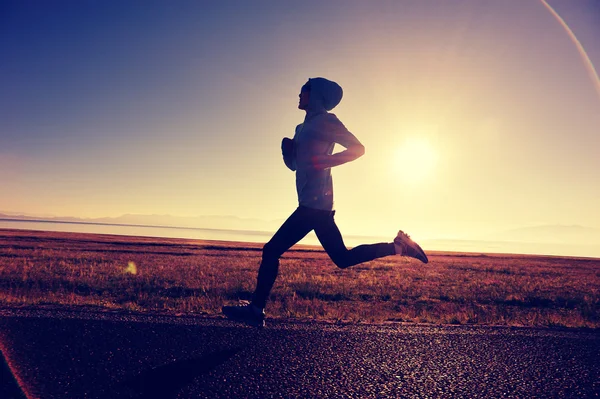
x=198 y=277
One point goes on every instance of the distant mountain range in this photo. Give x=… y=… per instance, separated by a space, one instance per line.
x=206 y=222
x=544 y=234
x=572 y=240
x=550 y=234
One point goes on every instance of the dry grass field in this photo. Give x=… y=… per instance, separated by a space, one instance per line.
x=179 y=276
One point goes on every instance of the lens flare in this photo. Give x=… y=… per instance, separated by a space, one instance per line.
x=131 y=268
x=589 y=66
x=20 y=386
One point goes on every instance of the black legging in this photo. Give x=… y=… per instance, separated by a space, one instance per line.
x=298 y=225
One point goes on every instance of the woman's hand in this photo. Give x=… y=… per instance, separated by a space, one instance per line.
x=287 y=147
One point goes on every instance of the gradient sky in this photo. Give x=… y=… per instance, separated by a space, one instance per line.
x=179 y=107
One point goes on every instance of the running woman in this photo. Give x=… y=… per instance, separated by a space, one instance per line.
x=310 y=155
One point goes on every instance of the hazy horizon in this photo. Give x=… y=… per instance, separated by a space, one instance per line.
x=150 y=218
x=477 y=118
x=572 y=240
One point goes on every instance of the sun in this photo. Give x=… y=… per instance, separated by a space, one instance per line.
x=415 y=160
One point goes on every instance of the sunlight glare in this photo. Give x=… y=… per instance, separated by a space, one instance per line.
x=415 y=160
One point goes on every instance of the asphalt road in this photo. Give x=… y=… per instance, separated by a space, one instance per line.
x=56 y=354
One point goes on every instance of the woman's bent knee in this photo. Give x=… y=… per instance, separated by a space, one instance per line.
x=270 y=252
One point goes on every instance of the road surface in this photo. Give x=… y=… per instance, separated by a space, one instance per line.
x=86 y=354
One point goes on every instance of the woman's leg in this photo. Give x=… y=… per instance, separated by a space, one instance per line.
x=298 y=225
x=330 y=237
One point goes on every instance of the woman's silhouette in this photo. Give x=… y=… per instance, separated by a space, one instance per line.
x=310 y=155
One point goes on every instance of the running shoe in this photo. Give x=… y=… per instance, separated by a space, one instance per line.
x=406 y=247
x=246 y=313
